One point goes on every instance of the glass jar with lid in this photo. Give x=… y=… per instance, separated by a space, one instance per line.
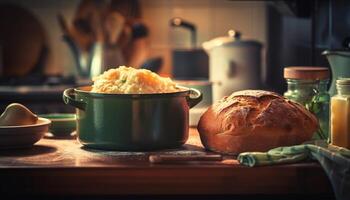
x=340 y=114
x=308 y=86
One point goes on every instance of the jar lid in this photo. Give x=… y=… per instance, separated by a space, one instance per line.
x=306 y=72
x=343 y=81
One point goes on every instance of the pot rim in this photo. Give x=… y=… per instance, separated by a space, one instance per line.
x=85 y=90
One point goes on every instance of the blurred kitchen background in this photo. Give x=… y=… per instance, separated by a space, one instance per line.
x=49 y=45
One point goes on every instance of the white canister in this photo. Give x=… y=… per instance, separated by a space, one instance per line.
x=234 y=64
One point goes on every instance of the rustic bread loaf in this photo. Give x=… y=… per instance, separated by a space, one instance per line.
x=255 y=120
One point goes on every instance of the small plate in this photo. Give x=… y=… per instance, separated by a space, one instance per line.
x=23 y=136
x=62 y=124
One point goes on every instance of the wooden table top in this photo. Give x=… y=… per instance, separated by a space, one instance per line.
x=63 y=166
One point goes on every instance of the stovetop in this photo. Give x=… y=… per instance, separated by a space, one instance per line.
x=38 y=80
x=41 y=94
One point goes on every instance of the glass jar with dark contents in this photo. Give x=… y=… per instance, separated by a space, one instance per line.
x=308 y=86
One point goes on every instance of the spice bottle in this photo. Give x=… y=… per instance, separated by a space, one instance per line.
x=340 y=114
x=308 y=86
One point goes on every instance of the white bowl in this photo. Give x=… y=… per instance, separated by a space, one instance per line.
x=23 y=136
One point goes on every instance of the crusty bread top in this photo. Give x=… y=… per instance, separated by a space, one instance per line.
x=248 y=109
x=230 y=100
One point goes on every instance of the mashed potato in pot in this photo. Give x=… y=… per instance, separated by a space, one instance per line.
x=128 y=80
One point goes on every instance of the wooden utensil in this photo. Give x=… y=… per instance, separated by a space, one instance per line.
x=113 y=25
x=87 y=27
x=163 y=159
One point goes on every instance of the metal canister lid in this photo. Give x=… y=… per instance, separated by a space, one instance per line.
x=343 y=81
x=233 y=38
x=343 y=86
x=306 y=72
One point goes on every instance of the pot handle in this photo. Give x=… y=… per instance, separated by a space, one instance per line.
x=68 y=98
x=195 y=96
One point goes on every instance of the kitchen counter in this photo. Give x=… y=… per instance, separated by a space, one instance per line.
x=63 y=166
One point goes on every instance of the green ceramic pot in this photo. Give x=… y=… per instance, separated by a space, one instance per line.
x=132 y=122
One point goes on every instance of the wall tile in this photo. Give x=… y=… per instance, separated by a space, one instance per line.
x=213 y=18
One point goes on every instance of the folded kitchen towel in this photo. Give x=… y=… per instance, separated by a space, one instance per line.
x=334 y=160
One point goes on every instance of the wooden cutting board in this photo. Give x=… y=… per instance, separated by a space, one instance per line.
x=22 y=39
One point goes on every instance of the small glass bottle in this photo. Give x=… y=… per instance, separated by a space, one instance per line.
x=340 y=114
x=308 y=86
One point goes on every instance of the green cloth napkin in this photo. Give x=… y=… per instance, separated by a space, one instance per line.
x=334 y=160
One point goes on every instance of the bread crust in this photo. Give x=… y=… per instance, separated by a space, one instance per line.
x=255 y=120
